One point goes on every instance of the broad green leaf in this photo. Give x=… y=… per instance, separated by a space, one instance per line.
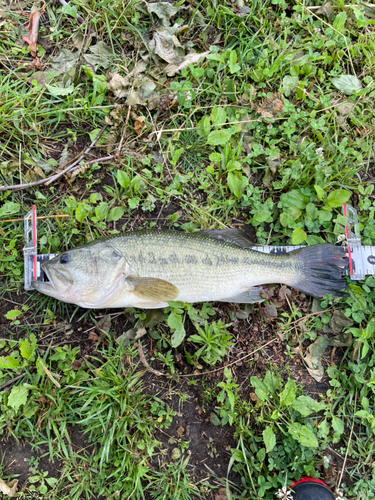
x=8 y=362
x=59 y=91
x=234 y=181
x=306 y=405
x=312 y=239
x=295 y=198
x=176 y=325
x=288 y=395
x=303 y=435
x=289 y=85
x=339 y=22
x=17 y=396
x=237 y=455
x=94 y=134
x=298 y=236
x=338 y=425
x=203 y=126
x=69 y=9
x=269 y=438
x=261 y=455
x=218 y=137
x=286 y=220
x=261 y=215
x=272 y=381
x=115 y=214
x=337 y=198
x=347 y=84
x=27 y=349
x=312 y=211
x=13 y=313
x=319 y=192
x=9 y=208
x=123 y=179
x=261 y=390
x=219 y=116
x=215 y=420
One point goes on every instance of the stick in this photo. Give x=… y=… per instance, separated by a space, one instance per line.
x=44 y=217
x=230 y=364
x=71 y=167
x=145 y=363
x=347 y=449
x=10 y=382
x=53 y=177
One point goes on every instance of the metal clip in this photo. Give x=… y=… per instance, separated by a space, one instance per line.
x=30 y=250
x=353 y=238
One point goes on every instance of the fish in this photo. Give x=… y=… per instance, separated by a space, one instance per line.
x=149 y=268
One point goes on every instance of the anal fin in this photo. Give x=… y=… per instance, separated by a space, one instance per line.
x=153 y=289
x=250 y=296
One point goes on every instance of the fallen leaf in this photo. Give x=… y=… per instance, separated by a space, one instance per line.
x=163 y=44
x=33 y=28
x=180 y=431
x=139 y=124
x=339 y=321
x=126 y=337
x=119 y=85
x=64 y=60
x=104 y=324
x=347 y=84
x=326 y=9
x=101 y=56
x=192 y=58
x=164 y=11
x=313 y=357
x=221 y=494
x=10 y=488
x=92 y=336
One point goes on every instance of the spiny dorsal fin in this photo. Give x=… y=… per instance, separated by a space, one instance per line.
x=236 y=236
x=153 y=289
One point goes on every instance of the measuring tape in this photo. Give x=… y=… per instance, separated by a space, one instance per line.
x=361 y=258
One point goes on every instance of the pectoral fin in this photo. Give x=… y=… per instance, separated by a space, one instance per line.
x=153 y=289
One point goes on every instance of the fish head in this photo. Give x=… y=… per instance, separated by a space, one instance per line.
x=88 y=276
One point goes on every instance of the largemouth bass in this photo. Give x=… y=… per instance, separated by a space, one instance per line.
x=149 y=268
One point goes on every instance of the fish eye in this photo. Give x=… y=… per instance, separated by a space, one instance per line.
x=65 y=258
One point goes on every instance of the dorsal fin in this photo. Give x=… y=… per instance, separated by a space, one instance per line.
x=236 y=236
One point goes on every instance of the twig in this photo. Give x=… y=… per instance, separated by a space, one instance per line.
x=347 y=448
x=123 y=135
x=10 y=382
x=230 y=364
x=53 y=177
x=308 y=315
x=145 y=363
x=44 y=217
x=162 y=131
x=71 y=167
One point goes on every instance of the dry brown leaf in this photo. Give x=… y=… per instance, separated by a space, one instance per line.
x=192 y=58
x=33 y=28
x=8 y=489
x=221 y=494
x=270 y=106
x=92 y=336
x=139 y=124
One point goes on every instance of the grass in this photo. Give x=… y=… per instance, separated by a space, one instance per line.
x=267 y=130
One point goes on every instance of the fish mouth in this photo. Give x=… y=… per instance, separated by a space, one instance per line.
x=56 y=284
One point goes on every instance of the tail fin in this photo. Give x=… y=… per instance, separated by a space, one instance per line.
x=323 y=267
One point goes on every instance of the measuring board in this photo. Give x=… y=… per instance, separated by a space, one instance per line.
x=361 y=258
